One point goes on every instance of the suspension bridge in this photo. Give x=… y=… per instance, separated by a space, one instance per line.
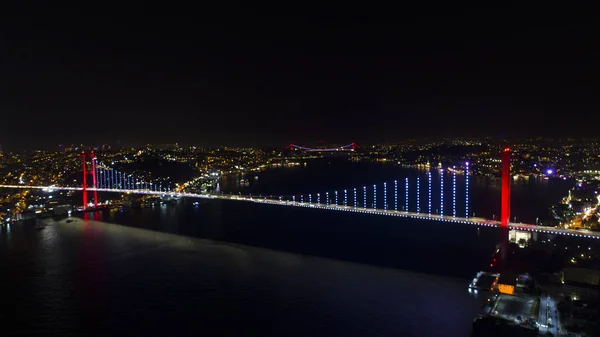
x=395 y=198
x=346 y=148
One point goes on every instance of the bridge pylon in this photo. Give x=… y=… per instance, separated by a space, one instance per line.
x=84 y=164
x=505 y=206
x=505 y=210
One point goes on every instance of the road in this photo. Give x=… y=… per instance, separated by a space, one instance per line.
x=548 y=318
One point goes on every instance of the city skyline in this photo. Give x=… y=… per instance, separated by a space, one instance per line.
x=428 y=169
x=254 y=79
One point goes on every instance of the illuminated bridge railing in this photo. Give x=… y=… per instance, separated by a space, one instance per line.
x=431 y=217
x=336 y=207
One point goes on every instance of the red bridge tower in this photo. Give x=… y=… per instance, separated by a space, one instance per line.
x=84 y=160
x=505 y=211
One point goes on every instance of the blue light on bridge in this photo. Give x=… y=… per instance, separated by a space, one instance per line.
x=442 y=192
x=454 y=191
x=385 y=196
x=395 y=195
x=345 y=198
x=406 y=195
x=418 y=195
x=365 y=197
x=336 y=198
x=374 y=196
x=318 y=198
x=355 y=202
x=327 y=198
x=429 y=192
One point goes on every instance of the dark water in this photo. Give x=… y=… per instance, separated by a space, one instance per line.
x=226 y=268
x=101 y=279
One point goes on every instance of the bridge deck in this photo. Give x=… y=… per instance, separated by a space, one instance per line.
x=333 y=207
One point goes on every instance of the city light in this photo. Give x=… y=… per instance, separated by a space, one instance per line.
x=318 y=198
x=110 y=179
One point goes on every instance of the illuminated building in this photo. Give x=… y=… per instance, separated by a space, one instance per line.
x=507 y=283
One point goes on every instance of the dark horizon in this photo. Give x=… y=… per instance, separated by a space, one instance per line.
x=500 y=141
x=252 y=79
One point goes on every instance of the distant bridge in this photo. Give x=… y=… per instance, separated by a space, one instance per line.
x=346 y=148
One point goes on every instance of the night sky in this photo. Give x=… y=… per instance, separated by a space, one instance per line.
x=244 y=76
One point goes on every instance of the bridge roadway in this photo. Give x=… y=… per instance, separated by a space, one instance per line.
x=332 y=207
